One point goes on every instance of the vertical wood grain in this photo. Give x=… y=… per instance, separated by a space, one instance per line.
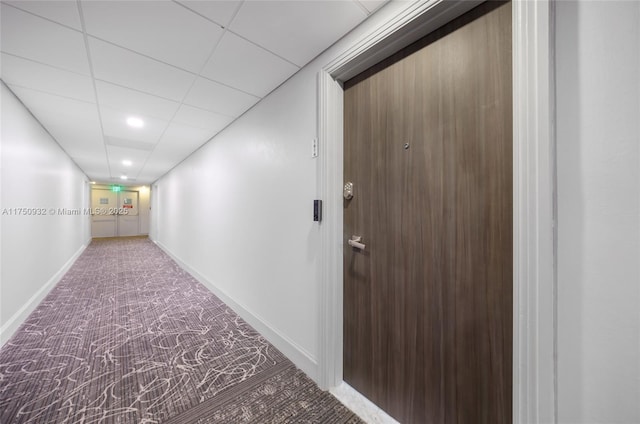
x=428 y=304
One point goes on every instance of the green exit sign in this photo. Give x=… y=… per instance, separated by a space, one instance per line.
x=116 y=188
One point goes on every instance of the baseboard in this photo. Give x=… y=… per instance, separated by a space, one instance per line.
x=290 y=349
x=11 y=326
x=368 y=411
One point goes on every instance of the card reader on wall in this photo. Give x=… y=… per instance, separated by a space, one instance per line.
x=317 y=210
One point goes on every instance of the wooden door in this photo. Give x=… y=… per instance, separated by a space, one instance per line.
x=428 y=301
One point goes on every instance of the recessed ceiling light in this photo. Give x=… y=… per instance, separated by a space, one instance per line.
x=134 y=122
x=127 y=162
x=123 y=177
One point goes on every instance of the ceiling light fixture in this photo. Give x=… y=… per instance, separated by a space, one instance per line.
x=134 y=122
x=123 y=177
x=127 y=162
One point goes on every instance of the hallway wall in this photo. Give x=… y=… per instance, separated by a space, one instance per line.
x=35 y=250
x=144 y=208
x=238 y=212
x=598 y=136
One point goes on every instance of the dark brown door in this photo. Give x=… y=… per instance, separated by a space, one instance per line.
x=428 y=301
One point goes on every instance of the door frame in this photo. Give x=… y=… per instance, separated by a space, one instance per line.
x=534 y=193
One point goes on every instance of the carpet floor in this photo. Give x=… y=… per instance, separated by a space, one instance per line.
x=127 y=336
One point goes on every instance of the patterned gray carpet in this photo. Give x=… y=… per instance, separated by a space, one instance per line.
x=127 y=336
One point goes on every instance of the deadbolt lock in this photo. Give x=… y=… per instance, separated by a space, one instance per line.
x=347 y=192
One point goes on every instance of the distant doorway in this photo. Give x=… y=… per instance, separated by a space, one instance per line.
x=114 y=214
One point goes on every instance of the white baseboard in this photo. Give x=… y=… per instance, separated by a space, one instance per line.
x=296 y=354
x=369 y=412
x=11 y=326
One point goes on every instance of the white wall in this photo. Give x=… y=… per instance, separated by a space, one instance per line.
x=238 y=212
x=144 y=204
x=35 y=250
x=598 y=101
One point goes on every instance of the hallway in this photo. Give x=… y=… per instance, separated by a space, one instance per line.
x=228 y=120
x=128 y=336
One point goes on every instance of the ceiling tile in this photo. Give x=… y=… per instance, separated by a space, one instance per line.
x=128 y=69
x=156 y=166
x=148 y=178
x=152 y=173
x=64 y=12
x=83 y=150
x=201 y=118
x=130 y=144
x=235 y=62
x=29 y=36
x=177 y=143
x=114 y=124
x=219 y=98
x=117 y=154
x=219 y=12
x=296 y=30
x=92 y=160
x=181 y=140
x=159 y=164
x=95 y=167
x=34 y=75
x=135 y=102
x=71 y=122
x=372 y=5
x=161 y=29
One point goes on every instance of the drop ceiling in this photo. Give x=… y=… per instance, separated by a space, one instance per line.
x=186 y=68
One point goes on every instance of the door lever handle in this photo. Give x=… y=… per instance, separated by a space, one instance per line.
x=354 y=241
